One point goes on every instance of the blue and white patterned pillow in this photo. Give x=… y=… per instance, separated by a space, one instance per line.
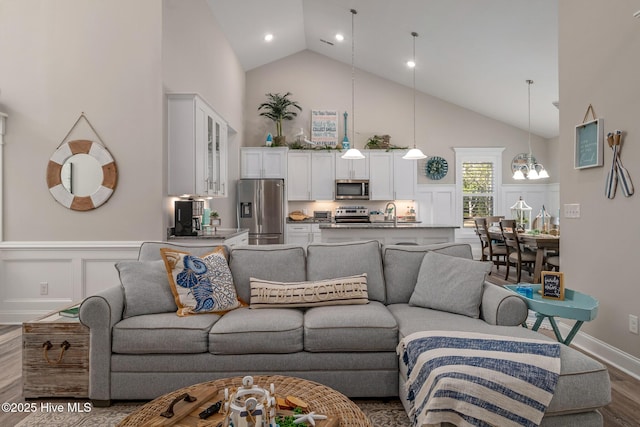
x=200 y=285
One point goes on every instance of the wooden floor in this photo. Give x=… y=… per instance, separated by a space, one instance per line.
x=623 y=411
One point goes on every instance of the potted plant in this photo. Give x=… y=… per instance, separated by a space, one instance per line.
x=278 y=108
x=215 y=219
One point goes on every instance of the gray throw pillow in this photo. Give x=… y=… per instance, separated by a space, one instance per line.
x=146 y=288
x=451 y=284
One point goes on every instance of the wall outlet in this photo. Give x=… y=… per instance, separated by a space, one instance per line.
x=633 y=324
x=44 y=288
x=572 y=210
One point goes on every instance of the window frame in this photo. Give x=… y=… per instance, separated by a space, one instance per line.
x=477 y=155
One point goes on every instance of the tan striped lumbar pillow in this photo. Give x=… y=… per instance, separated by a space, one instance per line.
x=343 y=290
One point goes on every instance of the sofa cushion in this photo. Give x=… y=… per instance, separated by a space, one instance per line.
x=163 y=333
x=340 y=291
x=577 y=370
x=200 y=285
x=150 y=251
x=331 y=260
x=353 y=328
x=146 y=288
x=247 y=331
x=281 y=263
x=450 y=284
x=402 y=263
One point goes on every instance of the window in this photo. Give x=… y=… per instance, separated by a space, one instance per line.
x=477 y=191
x=478 y=180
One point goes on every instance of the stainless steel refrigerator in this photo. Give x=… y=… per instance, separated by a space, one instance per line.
x=261 y=210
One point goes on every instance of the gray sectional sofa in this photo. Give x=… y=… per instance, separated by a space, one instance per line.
x=140 y=349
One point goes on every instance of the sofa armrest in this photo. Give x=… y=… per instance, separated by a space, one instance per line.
x=501 y=307
x=99 y=313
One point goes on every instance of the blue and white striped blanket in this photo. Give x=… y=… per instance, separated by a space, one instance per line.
x=473 y=379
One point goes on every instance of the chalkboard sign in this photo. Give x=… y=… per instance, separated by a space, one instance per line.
x=589 y=144
x=552 y=285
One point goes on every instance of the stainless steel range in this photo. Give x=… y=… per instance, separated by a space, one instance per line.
x=351 y=214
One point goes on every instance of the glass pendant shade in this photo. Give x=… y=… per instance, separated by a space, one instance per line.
x=353 y=154
x=518 y=175
x=414 y=154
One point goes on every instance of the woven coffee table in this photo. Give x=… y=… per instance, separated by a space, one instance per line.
x=321 y=399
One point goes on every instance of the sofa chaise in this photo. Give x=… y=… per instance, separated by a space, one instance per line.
x=140 y=349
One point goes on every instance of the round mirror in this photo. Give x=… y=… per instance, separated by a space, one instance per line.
x=81 y=175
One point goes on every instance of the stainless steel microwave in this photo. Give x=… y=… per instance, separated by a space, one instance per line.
x=352 y=189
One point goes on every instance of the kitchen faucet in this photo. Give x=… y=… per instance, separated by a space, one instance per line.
x=395 y=212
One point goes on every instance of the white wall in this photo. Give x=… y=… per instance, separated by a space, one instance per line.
x=381 y=107
x=599 y=65
x=114 y=60
x=64 y=57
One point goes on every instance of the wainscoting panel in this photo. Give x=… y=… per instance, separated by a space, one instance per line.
x=71 y=270
x=436 y=203
x=99 y=274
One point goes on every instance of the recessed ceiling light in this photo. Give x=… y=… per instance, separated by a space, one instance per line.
x=411 y=64
x=268 y=37
x=339 y=37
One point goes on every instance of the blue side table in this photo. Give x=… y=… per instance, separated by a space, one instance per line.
x=576 y=305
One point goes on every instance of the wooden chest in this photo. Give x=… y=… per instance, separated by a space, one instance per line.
x=55 y=357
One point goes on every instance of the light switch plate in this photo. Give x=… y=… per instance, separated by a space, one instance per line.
x=572 y=210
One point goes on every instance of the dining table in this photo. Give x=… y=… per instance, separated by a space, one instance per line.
x=543 y=243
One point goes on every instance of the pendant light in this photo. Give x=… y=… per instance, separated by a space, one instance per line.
x=414 y=153
x=530 y=170
x=353 y=153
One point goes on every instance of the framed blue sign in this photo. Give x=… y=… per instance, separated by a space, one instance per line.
x=589 y=144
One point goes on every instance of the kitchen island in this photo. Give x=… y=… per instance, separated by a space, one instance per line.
x=388 y=233
x=218 y=236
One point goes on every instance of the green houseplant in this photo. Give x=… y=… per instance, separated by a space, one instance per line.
x=278 y=108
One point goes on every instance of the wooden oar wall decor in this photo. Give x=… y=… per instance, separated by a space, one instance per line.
x=618 y=174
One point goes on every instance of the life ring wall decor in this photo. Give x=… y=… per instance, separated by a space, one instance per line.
x=65 y=196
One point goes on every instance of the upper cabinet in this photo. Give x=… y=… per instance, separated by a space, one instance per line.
x=263 y=162
x=197 y=145
x=392 y=177
x=352 y=169
x=381 y=182
x=310 y=175
x=405 y=177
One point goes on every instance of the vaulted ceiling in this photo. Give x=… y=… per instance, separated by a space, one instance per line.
x=474 y=53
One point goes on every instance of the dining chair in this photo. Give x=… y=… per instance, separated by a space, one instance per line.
x=492 y=250
x=517 y=253
x=553 y=262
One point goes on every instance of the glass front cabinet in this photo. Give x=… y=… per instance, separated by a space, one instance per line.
x=197 y=142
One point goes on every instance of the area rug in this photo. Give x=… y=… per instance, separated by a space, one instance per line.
x=382 y=413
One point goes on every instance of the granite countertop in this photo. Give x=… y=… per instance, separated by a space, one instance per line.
x=384 y=225
x=220 y=234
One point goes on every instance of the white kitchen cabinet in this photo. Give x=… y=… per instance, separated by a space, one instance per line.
x=323 y=176
x=197 y=146
x=310 y=175
x=352 y=169
x=392 y=177
x=299 y=175
x=263 y=162
x=405 y=177
x=381 y=177
x=302 y=234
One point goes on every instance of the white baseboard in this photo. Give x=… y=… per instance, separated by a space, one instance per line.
x=627 y=363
